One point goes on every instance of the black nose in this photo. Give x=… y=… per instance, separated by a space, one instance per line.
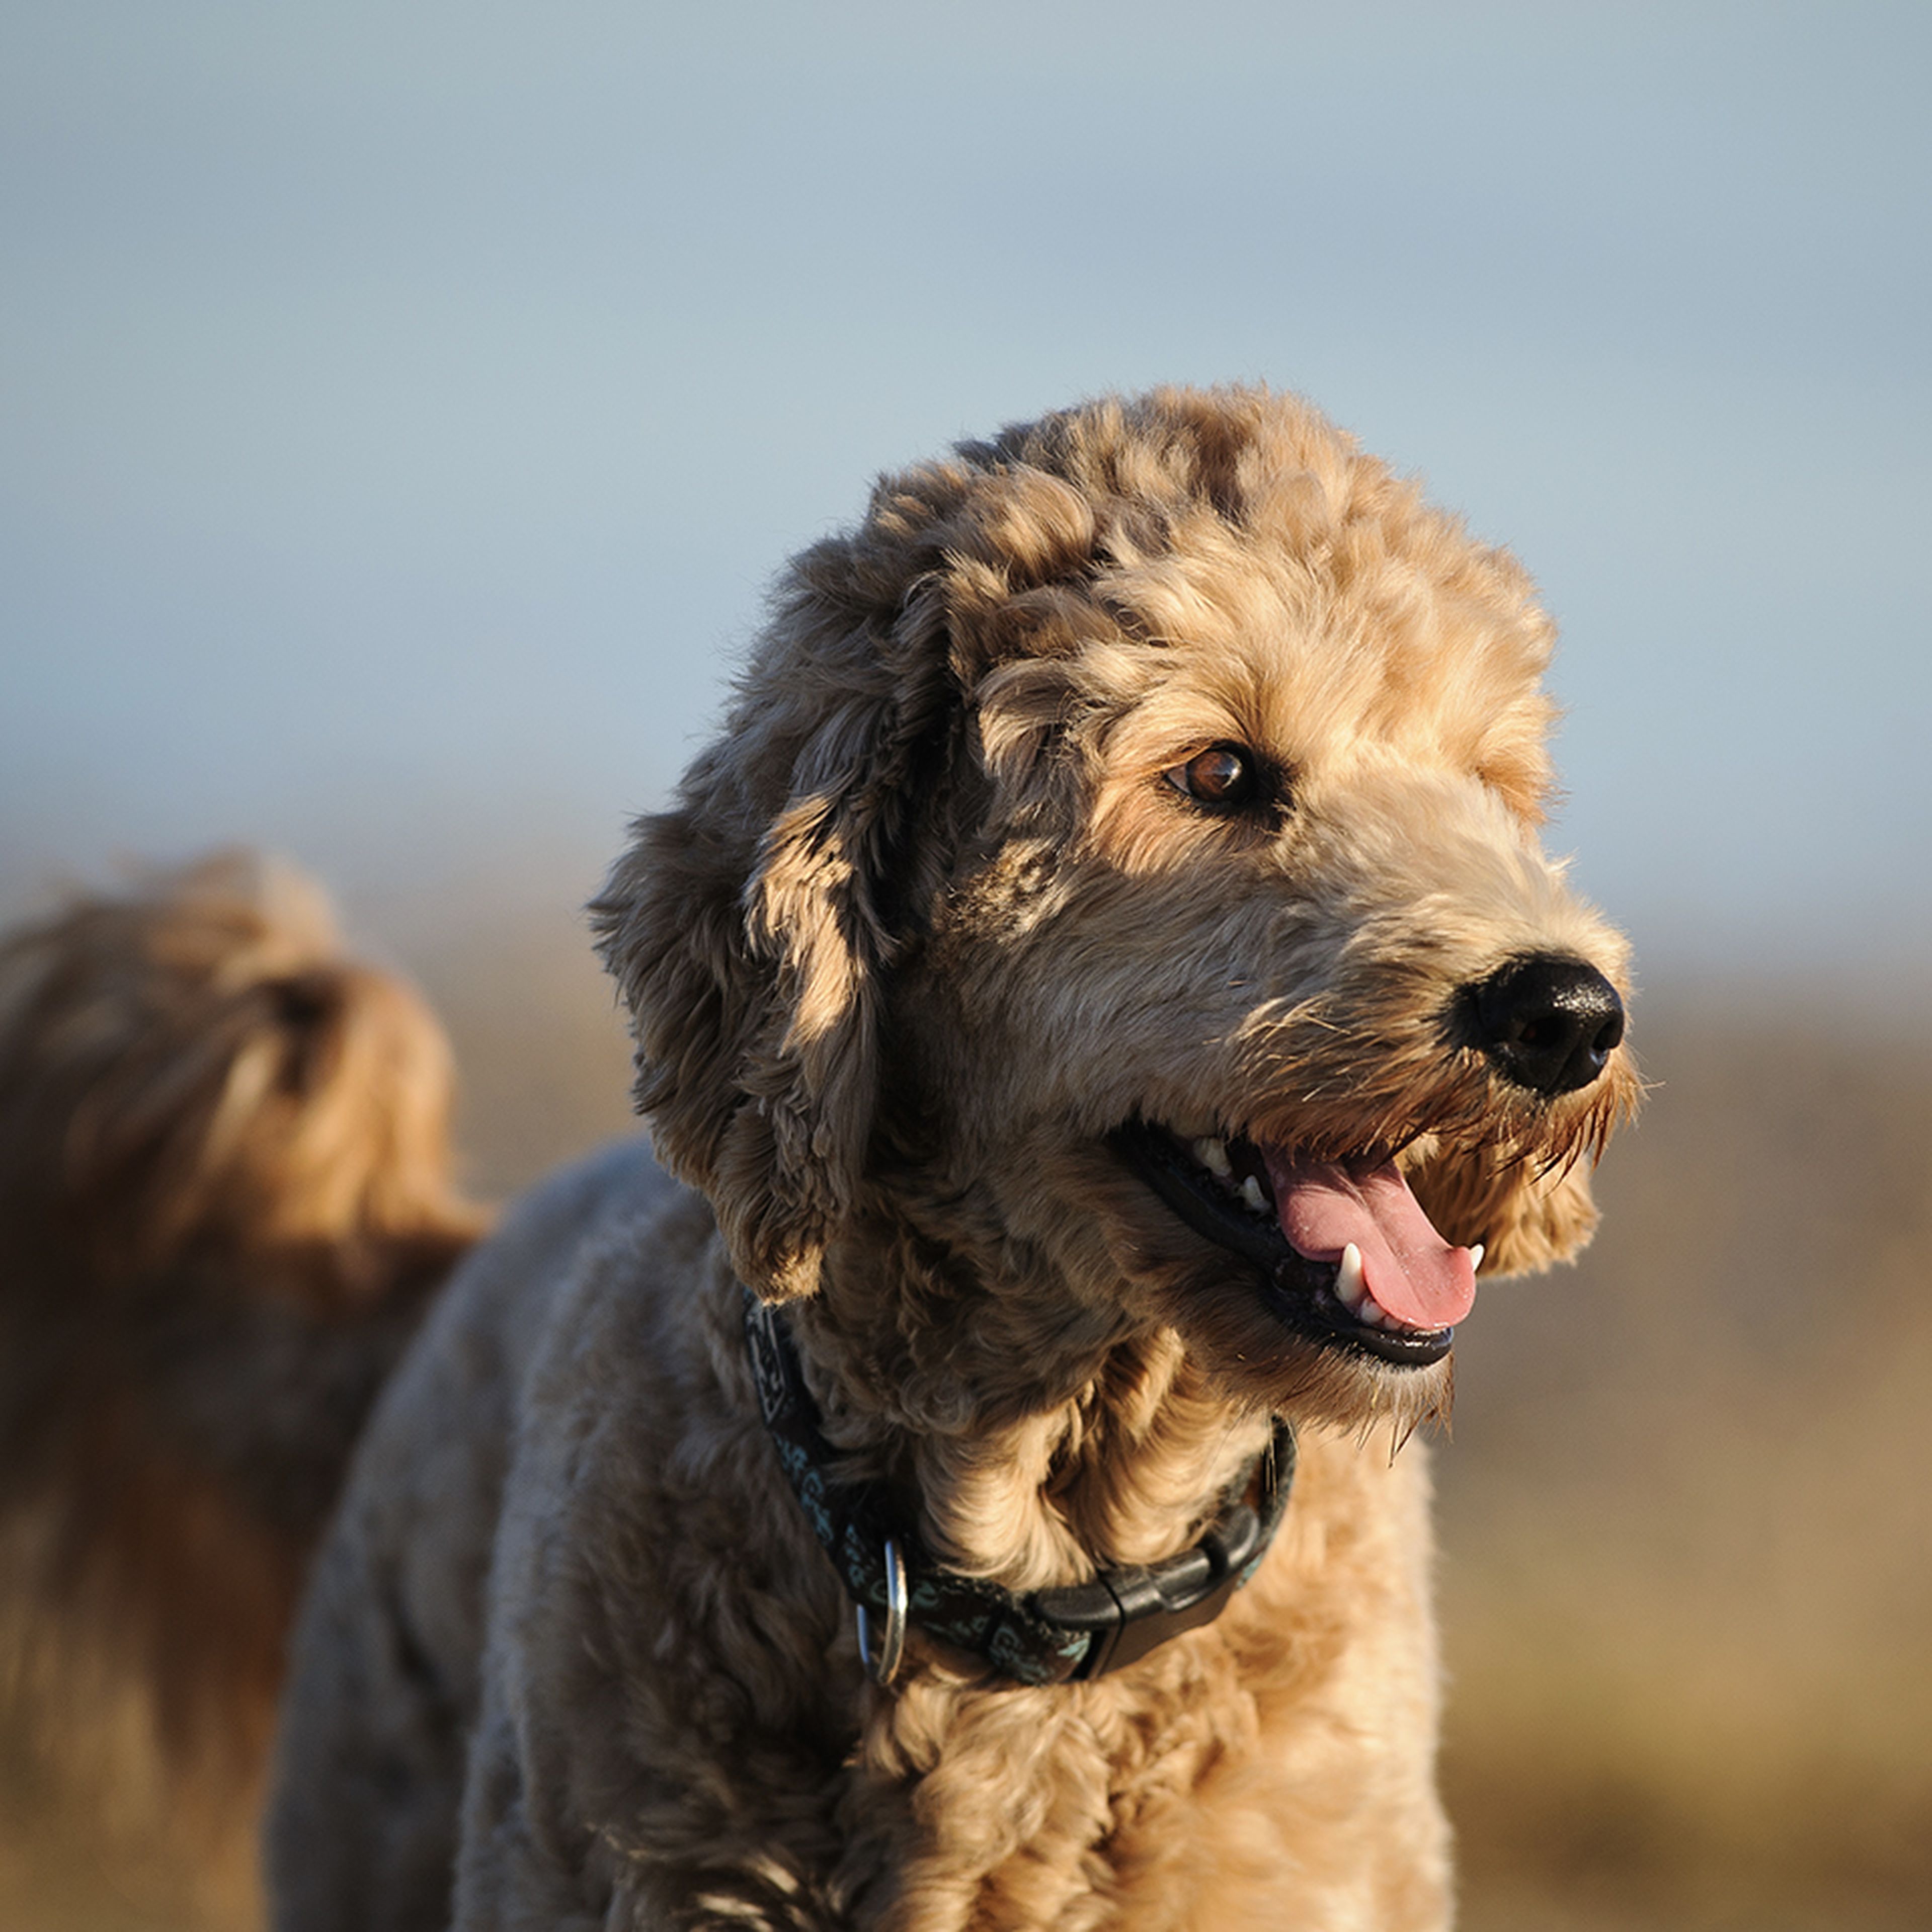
x=1548 y=1023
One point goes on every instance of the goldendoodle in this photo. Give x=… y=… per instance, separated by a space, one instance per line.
x=1098 y=1004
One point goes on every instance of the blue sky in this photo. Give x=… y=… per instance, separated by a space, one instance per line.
x=402 y=408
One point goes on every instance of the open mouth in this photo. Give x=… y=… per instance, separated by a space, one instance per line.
x=1344 y=1252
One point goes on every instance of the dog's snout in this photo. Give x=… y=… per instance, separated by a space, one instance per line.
x=1548 y=1022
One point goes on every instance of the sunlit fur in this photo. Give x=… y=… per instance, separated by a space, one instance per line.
x=224 y=1198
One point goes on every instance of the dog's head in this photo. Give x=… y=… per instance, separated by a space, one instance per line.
x=1120 y=867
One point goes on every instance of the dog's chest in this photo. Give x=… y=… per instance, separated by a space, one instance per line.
x=1208 y=1793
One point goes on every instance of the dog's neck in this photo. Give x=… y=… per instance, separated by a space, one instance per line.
x=1029 y=1462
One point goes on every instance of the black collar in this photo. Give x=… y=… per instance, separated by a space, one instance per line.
x=1047 y=1636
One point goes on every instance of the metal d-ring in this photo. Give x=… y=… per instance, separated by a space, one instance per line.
x=891 y=1643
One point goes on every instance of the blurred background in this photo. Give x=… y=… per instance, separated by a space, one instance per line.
x=402 y=407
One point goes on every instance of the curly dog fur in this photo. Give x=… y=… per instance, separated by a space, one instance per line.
x=1137 y=813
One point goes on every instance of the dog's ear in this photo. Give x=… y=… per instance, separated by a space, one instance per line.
x=1529 y=1217
x=750 y=926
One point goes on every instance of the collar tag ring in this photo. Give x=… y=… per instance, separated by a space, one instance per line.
x=892 y=1641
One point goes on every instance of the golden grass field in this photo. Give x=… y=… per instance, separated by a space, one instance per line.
x=1687 y=1510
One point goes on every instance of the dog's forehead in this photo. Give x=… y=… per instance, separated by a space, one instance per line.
x=1236 y=635
x=1301 y=674
x=1378 y=616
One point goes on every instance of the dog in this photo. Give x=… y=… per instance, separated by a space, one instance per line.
x=1098 y=1003
x=225 y=1202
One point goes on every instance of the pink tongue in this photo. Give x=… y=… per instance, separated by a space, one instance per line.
x=1413 y=1273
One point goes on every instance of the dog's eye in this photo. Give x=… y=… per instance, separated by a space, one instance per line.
x=1223 y=774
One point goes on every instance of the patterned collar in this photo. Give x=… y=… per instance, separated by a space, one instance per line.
x=1046 y=1636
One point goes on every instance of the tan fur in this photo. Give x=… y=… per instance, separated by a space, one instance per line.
x=224 y=1197
x=924 y=926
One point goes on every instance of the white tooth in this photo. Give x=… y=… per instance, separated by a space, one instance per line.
x=1350 y=1289
x=1251 y=1193
x=1476 y=1257
x=1212 y=1155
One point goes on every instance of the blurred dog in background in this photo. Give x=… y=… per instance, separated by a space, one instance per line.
x=225 y=1200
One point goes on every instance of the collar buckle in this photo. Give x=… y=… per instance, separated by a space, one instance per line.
x=1130 y=1612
